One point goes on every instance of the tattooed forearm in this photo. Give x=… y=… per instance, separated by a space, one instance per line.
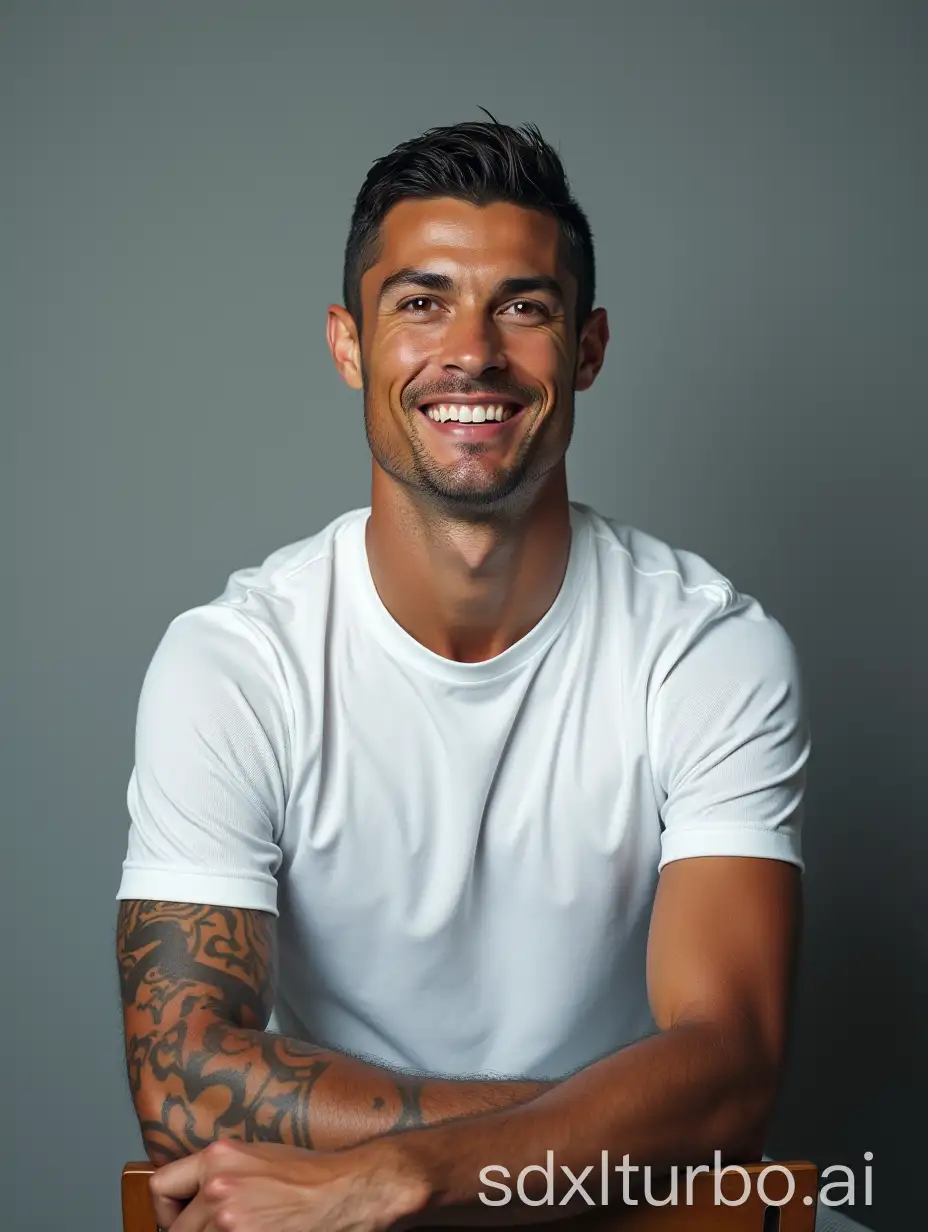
x=197 y=986
x=225 y=1081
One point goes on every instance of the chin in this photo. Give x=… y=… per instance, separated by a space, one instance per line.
x=475 y=501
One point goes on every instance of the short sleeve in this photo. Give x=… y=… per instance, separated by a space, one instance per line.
x=207 y=793
x=731 y=742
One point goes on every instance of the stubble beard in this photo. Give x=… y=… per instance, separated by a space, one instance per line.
x=461 y=490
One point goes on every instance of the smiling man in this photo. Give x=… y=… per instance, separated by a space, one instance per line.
x=468 y=828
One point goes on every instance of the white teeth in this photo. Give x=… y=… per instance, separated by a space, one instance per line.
x=460 y=413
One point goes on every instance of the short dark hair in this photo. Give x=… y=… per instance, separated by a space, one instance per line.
x=480 y=162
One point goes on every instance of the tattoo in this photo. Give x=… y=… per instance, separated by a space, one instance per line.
x=197 y=987
x=411 y=1095
x=222 y=954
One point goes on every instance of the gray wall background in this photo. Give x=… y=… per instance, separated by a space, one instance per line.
x=176 y=191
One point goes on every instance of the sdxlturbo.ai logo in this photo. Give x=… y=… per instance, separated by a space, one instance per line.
x=839 y=1192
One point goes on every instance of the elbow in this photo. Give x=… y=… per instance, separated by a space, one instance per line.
x=163 y=1119
x=743 y=1120
x=747 y=1094
x=173 y=1105
x=153 y=1110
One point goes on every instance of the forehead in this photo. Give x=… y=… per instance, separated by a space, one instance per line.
x=495 y=241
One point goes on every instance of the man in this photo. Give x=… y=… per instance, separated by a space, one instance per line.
x=467 y=829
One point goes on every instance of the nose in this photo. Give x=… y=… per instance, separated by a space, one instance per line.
x=472 y=343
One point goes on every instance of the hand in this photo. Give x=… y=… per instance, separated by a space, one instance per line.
x=265 y=1187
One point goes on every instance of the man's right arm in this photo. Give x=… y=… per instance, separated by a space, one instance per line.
x=197 y=988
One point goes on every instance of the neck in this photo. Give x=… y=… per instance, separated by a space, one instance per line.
x=467 y=589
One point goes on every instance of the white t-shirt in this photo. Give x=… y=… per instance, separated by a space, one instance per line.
x=463 y=856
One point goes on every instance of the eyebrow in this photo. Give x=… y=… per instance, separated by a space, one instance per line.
x=427 y=280
x=530 y=284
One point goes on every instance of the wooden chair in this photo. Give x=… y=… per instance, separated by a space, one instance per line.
x=754 y=1215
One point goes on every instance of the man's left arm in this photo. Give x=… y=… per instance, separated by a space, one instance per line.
x=720 y=970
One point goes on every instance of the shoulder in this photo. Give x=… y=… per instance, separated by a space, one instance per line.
x=677 y=607
x=259 y=603
x=653 y=572
x=295 y=577
x=243 y=642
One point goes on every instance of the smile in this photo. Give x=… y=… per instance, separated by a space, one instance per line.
x=478 y=413
x=471 y=420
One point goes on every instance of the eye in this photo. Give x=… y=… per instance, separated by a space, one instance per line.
x=525 y=308
x=418 y=305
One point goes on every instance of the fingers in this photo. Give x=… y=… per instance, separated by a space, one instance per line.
x=185 y=1191
x=171 y=1188
x=167 y=1210
x=179 y=1180
x=195 y=1217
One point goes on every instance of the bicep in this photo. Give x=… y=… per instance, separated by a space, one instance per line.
x=180 y=963
x=722 y=947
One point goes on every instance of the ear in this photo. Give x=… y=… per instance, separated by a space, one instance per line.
x=342 y=336
x=591 y=349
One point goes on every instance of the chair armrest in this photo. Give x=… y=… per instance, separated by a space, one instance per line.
x=137 y=1212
